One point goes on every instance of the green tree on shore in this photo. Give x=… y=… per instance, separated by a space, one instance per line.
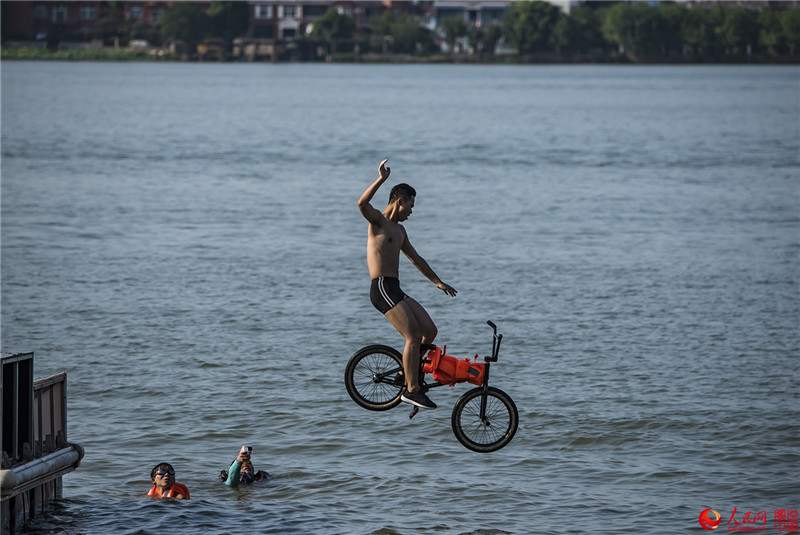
x=453 y=28
x=790 y=24
x=229 y=20
x=770 y=35
x=530 y=25
x=110 y=25
x=488 y=38
x=142 y=30
x=580 y=33
x=187 y=22
x=645 y=30
x=638 y=29
x=739 y=31
x=399 y=34
x=332 y=28
x=699 y=37
x=612 y=31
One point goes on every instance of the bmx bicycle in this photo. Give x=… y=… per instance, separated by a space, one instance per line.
x=484 y=419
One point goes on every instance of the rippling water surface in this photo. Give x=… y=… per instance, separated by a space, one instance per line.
x=184 y=241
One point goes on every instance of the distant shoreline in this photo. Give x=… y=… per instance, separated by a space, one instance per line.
x=104 y=54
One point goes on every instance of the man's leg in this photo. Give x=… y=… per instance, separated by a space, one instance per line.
x=416 y=326
x=405 y=321
x=426 y=325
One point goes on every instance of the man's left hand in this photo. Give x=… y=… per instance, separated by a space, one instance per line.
x=446 y=288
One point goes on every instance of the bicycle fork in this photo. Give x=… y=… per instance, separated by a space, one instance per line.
x=485 y=395
x=496 y=341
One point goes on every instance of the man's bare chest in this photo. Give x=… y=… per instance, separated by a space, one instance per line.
x=389 y=237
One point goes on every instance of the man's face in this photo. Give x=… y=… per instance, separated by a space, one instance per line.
x=163 y=478
x=406 y=206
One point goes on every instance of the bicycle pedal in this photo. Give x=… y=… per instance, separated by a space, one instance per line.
x=414 y=412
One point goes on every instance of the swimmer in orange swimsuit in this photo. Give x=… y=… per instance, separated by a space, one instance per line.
x=164 y=485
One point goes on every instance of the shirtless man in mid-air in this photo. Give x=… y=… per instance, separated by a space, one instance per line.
x=385 y=239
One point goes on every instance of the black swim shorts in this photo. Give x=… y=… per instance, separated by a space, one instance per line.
x=385 y=293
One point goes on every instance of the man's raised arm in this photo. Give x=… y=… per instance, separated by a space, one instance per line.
x=367 y=210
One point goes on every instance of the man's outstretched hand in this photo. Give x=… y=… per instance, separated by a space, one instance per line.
x=446 y=288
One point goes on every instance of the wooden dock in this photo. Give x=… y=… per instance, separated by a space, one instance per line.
x=36 y=452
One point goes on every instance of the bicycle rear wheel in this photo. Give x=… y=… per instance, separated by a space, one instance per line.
x=492 y=432
x=371 y=377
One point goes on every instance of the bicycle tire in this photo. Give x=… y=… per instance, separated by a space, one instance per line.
x=502 y=419
x=366 y=381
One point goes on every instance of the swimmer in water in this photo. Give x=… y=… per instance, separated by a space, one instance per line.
x=164 y=485
x=242 y=470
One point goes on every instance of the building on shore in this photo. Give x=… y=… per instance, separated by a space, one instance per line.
x=52 y=21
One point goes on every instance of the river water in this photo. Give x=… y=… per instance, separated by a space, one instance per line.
x=183 y=240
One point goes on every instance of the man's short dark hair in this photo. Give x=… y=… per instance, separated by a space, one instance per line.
x=402 y=190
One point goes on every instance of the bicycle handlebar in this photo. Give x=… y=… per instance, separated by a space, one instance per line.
x=496 y=339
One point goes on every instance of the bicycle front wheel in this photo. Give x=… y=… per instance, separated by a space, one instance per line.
x=494 y=430
x=373 y=378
